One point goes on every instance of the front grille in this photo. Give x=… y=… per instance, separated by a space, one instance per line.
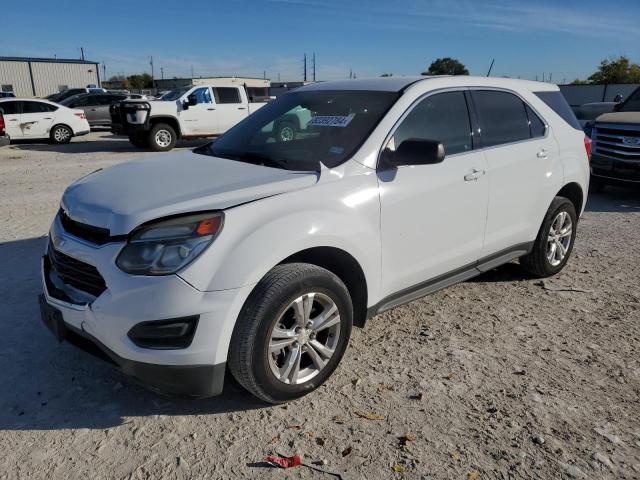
x=96 y=235
x=78 y=274
x=622 y=141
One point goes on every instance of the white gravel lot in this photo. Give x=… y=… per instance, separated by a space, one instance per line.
x=499 y=377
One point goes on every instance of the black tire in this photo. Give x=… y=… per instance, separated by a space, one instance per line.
x=536 y=263
x=139 y=141
x=249 y=350
x=153 y=138
x=596 y=185
x=285 y=132
x=61 y=134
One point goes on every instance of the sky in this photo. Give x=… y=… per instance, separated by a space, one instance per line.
x=564 y=39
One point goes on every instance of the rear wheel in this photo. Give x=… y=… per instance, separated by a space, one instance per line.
x=292 y=332
x=162 y=137
x=554 y=243
x=61 y=134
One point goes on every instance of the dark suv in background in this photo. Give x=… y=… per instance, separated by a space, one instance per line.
x=616 y=145
x=95 y=106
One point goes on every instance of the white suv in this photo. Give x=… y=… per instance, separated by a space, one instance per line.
x=259 y=254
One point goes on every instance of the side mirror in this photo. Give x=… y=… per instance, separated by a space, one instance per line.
x=192 y=100
x=416 y=151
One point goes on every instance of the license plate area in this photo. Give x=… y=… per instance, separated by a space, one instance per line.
x=52 y=318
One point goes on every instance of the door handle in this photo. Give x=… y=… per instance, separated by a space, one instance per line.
x=475 y=174
x=241 y=108
x=542 y=154
x=210 y=109
x=13 y=120
x=93 y=109
x=47 y=118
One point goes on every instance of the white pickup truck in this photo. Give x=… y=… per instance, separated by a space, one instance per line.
x=189 y=112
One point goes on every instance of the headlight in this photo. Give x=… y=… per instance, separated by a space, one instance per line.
x=164 y=247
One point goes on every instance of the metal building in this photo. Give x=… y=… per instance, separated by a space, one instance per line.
x=39 y=77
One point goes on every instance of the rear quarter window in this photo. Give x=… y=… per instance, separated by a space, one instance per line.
x=557 y=103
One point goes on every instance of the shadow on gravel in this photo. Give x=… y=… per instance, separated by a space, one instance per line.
x=49 y=385
x=614 y=199
x=114 y=144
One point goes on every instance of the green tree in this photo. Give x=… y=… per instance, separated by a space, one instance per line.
x=139 y=82
x=387 y=75
x=446 y=66
x=616 y=70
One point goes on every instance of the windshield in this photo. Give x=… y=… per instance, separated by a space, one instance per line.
x=632 y=104
x=300 y=129
x=175 y=94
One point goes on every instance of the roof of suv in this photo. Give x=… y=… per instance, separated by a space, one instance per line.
x=396 y=84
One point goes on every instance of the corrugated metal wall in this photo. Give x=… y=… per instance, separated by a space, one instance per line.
x=48 y=77
x=17 y=75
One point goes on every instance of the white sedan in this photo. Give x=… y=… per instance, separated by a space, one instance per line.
x=27 y=119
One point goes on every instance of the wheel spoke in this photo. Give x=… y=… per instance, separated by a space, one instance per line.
x=292 y=362
x=323 y=350
x=302 y=308
x=552 y=252
x=317 y=360
x=277 y=345
x=279 y=332
x=326 y=319
x=565 y=232
x=562 y=249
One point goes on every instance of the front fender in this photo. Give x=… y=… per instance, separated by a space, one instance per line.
x=259 y=235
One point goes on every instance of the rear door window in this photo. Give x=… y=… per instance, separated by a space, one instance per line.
x=536 y=126
x=502 y=116
x=557 y=102
x=37 y=107
x=227 y=95
x=443 y=117
x=9 y=108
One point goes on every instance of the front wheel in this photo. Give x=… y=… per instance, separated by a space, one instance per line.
x=61 y=134
x=162 y=138
x=554 y=243
x=291 y=333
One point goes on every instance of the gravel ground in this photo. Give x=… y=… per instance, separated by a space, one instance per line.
x=498 y=377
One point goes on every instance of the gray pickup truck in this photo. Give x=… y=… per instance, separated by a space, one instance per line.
x=616 y=145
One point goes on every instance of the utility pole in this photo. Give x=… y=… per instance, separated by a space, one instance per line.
x=305 y=67
x=81 y=53
x=151 y=63
x=264 y=74
x=162 y=73
x=314 y=67
x=104 y=71
x=191 y=72
x=278 y=76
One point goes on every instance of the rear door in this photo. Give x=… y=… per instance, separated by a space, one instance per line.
x=36 y=118
x=520 y=155
x=231 y=106
x=11 y=115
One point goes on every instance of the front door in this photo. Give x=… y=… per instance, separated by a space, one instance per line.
x=231 y=108
x=202 y=118
x=433 y=216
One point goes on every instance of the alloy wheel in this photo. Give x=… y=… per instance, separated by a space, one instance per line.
x=559 y=238
x=304 y=338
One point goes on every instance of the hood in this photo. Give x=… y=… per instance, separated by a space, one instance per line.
x=126 y=195
x=620 y=117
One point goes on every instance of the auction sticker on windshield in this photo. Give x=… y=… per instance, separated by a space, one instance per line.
x=330 y=120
